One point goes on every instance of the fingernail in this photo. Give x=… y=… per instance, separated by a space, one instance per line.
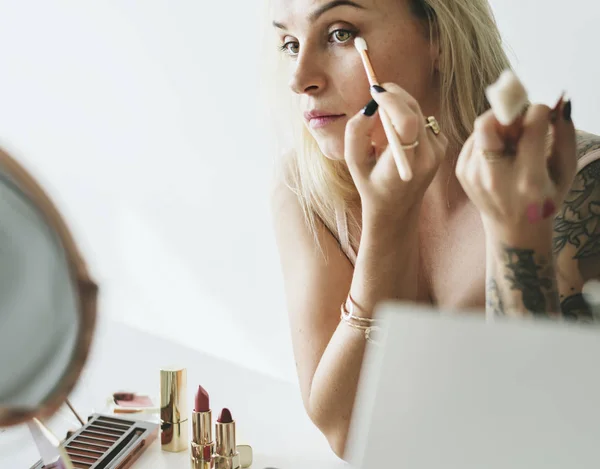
x=370 y=108
x=534 y=213
x=567 y=111
x=549 y=208
x=556 y=108
x=378 y=89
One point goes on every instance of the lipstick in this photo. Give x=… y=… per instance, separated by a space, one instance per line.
x=226 y=455
x=202 y=441
x=173 y=410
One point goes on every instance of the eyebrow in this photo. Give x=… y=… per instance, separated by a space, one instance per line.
x=314 y=16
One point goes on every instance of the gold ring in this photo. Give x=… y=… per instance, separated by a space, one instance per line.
x=433 y=123
x=410 y=146
x=492 y=155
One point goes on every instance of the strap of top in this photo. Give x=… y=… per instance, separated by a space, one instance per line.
x=344 y=237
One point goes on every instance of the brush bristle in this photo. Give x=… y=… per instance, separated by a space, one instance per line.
x=360 y=44
x=507 y=97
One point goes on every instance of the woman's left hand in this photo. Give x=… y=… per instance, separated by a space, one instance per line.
x=517 y=195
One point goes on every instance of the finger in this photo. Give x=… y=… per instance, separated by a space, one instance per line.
x=531 y=155
x=358 y=149
x=462 y=163
x=536 y=125
x=402 y=109
x=563 y=160
x=487 y=134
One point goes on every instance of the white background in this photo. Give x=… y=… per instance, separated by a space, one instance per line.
x=143 y=121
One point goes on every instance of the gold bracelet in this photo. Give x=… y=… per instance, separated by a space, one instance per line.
x=348 y=314
x=367 y=329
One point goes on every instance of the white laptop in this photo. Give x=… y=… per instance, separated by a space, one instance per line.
x=458 y=392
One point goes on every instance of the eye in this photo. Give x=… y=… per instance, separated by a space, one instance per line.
x=291 y=48
x=341 y=36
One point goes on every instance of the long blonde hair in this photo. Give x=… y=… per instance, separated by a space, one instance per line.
x=471 y=58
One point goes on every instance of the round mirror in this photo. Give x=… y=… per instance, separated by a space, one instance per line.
x=47 y=301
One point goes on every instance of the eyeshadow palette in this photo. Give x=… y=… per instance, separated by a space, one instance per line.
x=106 y=442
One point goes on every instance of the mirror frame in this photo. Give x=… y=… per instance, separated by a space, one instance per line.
x=85 y=287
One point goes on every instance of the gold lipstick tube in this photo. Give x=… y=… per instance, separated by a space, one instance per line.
x=226 y=454
x=203 y=445
x=173 y=410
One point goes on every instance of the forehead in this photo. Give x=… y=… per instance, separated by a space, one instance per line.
x=302 y=9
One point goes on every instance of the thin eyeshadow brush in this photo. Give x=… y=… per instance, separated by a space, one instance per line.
x=398 y=152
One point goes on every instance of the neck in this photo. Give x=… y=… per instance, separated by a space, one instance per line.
x=445 y=192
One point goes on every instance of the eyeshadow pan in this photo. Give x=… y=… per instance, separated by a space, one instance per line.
x=106 y=442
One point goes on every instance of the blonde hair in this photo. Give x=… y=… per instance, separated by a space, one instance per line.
x=471 y=58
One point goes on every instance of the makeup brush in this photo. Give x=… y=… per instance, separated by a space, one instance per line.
x=397 y=151
x=508 y=99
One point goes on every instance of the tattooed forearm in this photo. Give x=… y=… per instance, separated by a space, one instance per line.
x=493 y=300
x=576 y=308
x=531 y=276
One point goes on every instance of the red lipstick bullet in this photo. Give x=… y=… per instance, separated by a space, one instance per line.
x=202 y=441
x=226 y=454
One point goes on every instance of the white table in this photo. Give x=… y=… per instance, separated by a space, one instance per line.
x=268 y=412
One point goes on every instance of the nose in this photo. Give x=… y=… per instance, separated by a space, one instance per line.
x=309 y=76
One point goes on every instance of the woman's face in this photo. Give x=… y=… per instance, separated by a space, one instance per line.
x=326 y=71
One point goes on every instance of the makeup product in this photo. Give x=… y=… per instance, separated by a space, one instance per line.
x=131 y=403
x=203 y=445
x=135 y=410
x=246 y=455
x=226 y=455
x=107 y=443
x=509 y=101
x=51 y=451
x=132 y=400
x=398 y=152
x=173 y=409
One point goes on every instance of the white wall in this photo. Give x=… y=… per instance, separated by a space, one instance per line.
x=554 y=47
x=142 y=118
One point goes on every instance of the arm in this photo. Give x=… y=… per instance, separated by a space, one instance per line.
x=328 y=352
x=577 y=242
x=543 y=278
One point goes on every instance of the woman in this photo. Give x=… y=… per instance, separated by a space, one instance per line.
x=517 y=233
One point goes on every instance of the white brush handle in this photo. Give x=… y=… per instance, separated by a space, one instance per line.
x=397 y=151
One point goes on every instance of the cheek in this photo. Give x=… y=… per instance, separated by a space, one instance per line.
x=350 y=81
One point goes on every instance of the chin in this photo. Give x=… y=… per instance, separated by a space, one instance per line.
x=332 y=149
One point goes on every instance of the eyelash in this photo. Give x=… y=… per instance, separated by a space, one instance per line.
x=285 y=47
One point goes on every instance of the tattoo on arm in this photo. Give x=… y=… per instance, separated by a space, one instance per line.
x=577 y=230
x=587 y=143
x=533 y=276
x=493 y=300
x=578 y=224
x=576 y=308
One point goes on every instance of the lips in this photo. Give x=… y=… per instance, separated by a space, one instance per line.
x=319 y=119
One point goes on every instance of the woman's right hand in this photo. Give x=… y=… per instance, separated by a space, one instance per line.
x=372 y=165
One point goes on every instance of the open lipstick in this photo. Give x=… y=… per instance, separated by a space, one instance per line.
x=226 y=454
x=202 y=440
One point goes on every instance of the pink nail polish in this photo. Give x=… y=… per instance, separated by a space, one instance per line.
x=534 y=214
x=549 y=208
